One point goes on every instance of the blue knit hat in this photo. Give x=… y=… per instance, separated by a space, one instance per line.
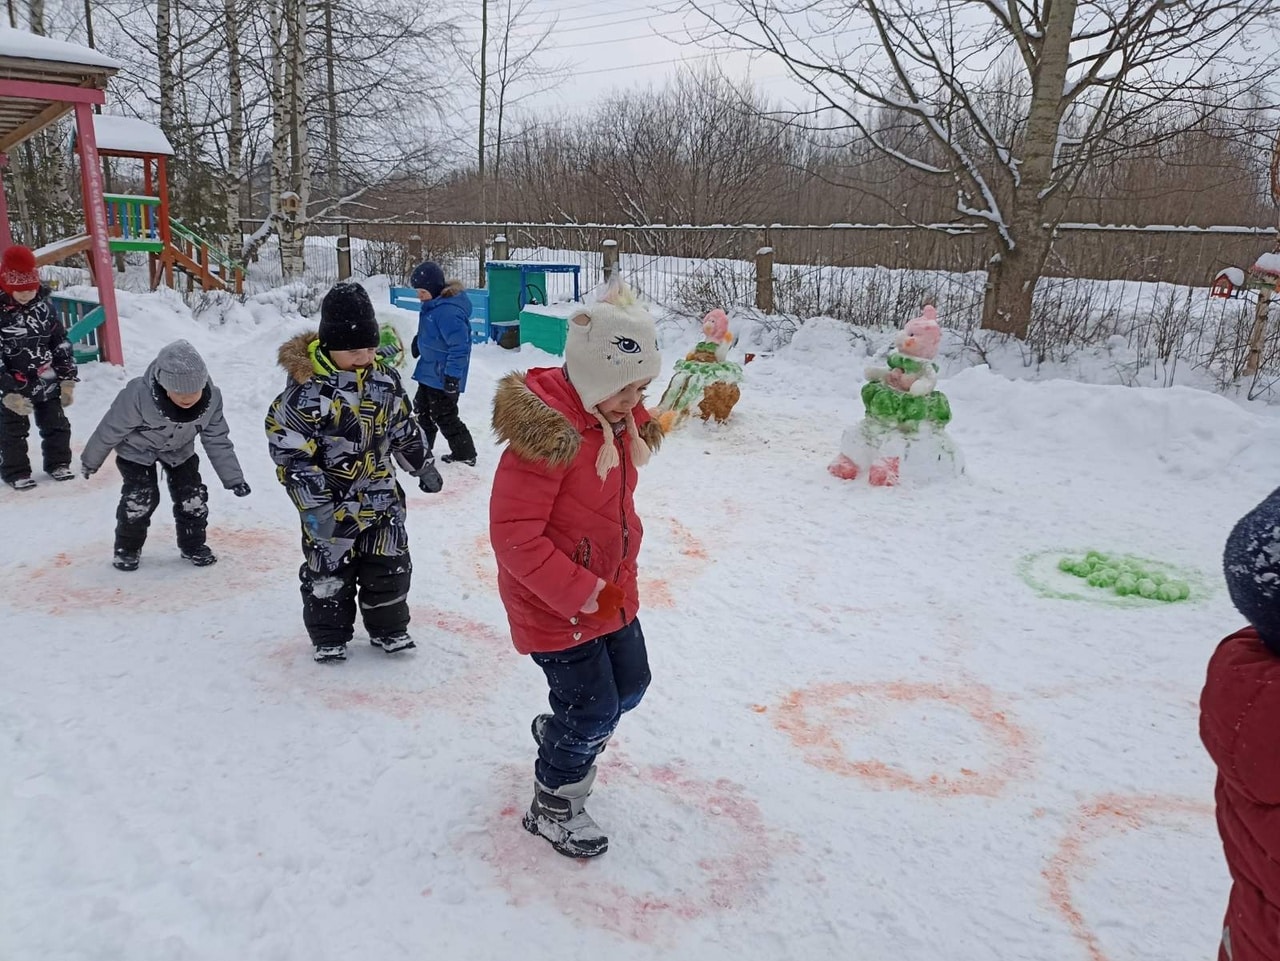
x=429 y=277
x=1251 y=564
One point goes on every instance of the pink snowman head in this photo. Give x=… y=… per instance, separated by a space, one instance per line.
x=922 y=335
x=715 y=326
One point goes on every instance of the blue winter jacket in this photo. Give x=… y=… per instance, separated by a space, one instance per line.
x=444 y=339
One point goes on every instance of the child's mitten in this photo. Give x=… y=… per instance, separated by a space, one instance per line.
x=429 y=479
x=241 y=490
x=67 y=392
x=18 y=404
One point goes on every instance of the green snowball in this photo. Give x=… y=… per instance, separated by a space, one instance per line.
x=1067 y=565
x=1158 y=577
x=1182 y=587
x=1096 y=556
x=1081 y=569
x=1147 y=587
x=1168 y=592
x=1104 y=577
x=1126 y=584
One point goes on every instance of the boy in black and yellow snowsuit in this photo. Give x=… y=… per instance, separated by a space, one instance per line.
x=333 y=433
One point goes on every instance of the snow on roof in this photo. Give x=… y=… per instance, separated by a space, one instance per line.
x=1233 y=274
x=130 y=135
x=1267 y=264
x=29 y=46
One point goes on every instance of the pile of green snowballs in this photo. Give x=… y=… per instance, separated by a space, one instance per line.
x=1126 y=576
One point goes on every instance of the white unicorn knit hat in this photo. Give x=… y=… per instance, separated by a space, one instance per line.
x=611 y=343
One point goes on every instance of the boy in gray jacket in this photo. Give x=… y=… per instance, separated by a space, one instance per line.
x=156 y=417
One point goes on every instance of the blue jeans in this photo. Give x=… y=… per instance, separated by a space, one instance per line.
x=592 y=685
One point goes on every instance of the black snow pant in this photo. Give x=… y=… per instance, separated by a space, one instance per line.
x=140 y=496
x=591 y=687
x=437 y=410
x=375 y=563
x=55 y=438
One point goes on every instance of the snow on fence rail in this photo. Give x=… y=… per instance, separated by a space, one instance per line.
x=1147 y=284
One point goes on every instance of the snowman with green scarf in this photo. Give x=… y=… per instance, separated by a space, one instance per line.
x=902 y=437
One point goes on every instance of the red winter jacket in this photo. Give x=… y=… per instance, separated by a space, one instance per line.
x=1240 y=725
x=555 y=526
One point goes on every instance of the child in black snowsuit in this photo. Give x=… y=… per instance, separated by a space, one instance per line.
x=333 y=433
x=37 y=373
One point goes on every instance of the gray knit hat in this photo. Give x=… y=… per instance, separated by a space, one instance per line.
x=180 y=369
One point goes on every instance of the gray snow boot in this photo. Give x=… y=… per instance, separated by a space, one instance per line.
x=558 y=815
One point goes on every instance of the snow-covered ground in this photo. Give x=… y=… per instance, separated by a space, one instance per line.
x=875 y=731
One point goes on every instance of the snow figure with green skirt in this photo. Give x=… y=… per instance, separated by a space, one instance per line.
x=903 y=436
x=706 y=378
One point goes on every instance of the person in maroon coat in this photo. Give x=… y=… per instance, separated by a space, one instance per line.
x=1240 y=727
x=564 y=528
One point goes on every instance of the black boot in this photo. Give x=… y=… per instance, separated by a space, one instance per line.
x=200 y=556
x=126 y=560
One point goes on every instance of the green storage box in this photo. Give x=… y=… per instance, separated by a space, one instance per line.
x=546 y=328
x=506 y=280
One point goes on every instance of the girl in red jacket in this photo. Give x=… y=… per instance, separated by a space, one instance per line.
x=1240 y=724
x=563 y=524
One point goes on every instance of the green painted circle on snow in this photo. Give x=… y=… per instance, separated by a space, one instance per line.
x=1115 y=580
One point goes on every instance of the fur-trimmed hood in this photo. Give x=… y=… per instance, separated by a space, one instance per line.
x=538 y=414
x=295 y=356
x=302 y=359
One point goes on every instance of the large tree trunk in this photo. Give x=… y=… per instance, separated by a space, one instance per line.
x=1012 y=275
x=282 y=225
x=332 y=168
x=1011 y=282
x=293 y=236
x=235 y=135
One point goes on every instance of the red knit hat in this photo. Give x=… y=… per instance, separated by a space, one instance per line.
x=18 y=270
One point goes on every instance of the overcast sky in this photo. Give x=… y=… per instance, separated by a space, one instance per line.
x=624 y=45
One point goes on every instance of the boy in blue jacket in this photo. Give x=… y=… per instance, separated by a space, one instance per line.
x=444 y=354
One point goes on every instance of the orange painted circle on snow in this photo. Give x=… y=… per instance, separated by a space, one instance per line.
x=83 y=581
x=1108 y=814
x=730 y=875
x=455 y=666
x=810 y=717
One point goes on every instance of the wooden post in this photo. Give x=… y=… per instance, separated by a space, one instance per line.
x=1259 y=335
x=95 y=222
x=344 y=253
x=500 y=249
x=764 y=276
x=166 y=234
x=414 y=249
x=6 y=238
x=609 y=259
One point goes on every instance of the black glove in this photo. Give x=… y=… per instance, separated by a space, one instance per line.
x=429 y=479
x=87 y=471
x=451 y=386
x=413 y=347
x=241 y=490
